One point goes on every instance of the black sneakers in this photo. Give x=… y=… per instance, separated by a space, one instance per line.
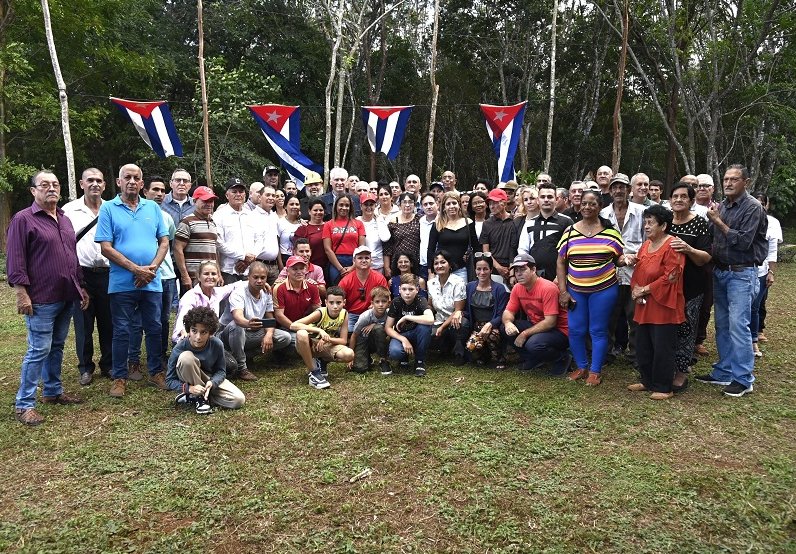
x=710 y=380
x=385 y=367
x=201 y=405
x=737 y=390
x=420 y=369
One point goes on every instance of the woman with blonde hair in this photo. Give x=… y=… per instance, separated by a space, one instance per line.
x=452 y=232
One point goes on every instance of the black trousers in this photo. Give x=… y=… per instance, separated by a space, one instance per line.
x=625 y=306
x=99 y=310
x=707 y=305
x=655 y=355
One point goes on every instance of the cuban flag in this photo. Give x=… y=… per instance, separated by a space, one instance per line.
x=386 y=126
x=281 y=127
x=504 y=123
x=153 y=122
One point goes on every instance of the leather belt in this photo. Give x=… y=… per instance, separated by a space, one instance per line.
x=96 y=269
x=267 y=262
x=733 y=267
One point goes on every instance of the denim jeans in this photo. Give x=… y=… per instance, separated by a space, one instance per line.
x=124 y=306
x=592 y=315
x=334 y=274
x=419 y=337
x=539 y=348
x=99 y=310
x=733 y=293
x=47 y=331
x=137 y=331
x=760 y=298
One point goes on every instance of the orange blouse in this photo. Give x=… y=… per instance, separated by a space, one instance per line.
x=662 y=270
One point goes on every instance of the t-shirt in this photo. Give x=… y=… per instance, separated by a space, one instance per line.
x=538 y=302
x=502 y=238
x=398 y=308
x=241 y=299
x=211 y=360
x=314 y=233
x=331 y=325
x=344 y=234
x=367 y=318
x=199 y=236
x=590 y=260
x=357 y=294
x=694 y=233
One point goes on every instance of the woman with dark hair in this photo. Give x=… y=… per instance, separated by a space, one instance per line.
x=478 y=210
x=385 y=209
x=588 y=255
x=692 y=239
x=657 y=289
x=765 y=273
x=313 y=231
x=341 y=235
x=486 y=302
x=404 y=231
x=447 y=295
x=287 y=226
x=404 y=263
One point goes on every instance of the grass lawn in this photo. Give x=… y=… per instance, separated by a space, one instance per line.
x=466 y=460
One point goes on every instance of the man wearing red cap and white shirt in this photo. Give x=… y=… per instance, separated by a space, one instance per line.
x=196 y=238
x=499 y=235
x=358 y=284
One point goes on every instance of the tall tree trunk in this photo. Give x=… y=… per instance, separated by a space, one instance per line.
x=616 y=150
x=551 y=112
x=434 y=98
x=337 y=37
x=5 y=200
x=62 y=97
x=338 y=116
x=203 y=85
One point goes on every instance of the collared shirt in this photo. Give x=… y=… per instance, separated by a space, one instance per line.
x=443 y=296
x=745 y=242
x=296 y=303
x=175 y=210
x=267 y=235
x=237 y=236
x=41 y=256
x=541 y=227
x=376 y=234
x=89 y=253
x=501 y=236
x=195 y=298
x=314 y=274
x=425 y=232
x=200 y=237
x=135 y=235
x=632 y=232
x=167 y=267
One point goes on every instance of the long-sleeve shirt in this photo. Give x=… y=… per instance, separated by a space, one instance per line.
x=662 y=271
x=41 y=256
x=211 y=360
x=237 y=236
x=632 y=232
x=267 y=239
x=376 y=234
x=195 y=298
x=745 y=242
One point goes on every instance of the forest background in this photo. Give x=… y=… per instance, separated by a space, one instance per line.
x=667 y=87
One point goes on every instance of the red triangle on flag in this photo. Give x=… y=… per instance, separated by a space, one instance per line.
x=144 y=109
x=383 y=112
x=498 y=117
x=276 y=115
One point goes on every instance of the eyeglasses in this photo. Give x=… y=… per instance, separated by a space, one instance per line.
x=44 y=185
x=703 y=186
x=479 y=255
x=362 y=293
x=188 y=181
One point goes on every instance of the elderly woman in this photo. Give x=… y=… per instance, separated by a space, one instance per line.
x=404 y=232
x=486 y=302
x=692 y=239
x=447 y=296
x=657 y=289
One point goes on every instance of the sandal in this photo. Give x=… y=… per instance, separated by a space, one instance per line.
x=593 y=379
x=577 y=374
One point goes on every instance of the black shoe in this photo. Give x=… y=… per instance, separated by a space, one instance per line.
x=737 y=390
x=324 y=368
x=403 y=366
x=710 y=380
x=184 y=399
x=359 y=370
x=458 y=360
x=385 y=367
x=681 y=388
x=420 y=370
x=203 y=407
x=561 y=366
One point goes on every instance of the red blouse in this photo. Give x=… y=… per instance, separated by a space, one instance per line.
x=662 y=270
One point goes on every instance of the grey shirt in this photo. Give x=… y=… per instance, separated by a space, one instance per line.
x=745 y=243
x=367 y=318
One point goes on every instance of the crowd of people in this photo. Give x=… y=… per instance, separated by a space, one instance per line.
x=376 y=275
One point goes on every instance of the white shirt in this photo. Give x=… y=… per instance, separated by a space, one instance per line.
x=376 y=233
x=286 y=230
x=774 y=237
x=425 y=231
x=237 y=235
x=443 y=297
x=632 y=234
x=89 y=253
x=267 y=235
x=241 y=299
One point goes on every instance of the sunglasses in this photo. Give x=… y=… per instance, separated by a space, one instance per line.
x=479 y=255
x=362 y=293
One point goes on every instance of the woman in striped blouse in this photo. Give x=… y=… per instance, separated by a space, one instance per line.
x=588 y=255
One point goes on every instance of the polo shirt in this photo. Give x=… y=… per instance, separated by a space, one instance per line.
x=135 y=235
x=501 y=236
x=355 y=290
x=200 y=236
x=538 y=302
x=295 y=303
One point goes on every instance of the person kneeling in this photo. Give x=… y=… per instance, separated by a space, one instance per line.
x=368 y=335
x=409 y=322
x=197 y=366
x=329 y=327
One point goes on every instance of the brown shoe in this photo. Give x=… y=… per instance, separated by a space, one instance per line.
x=577 y=374
x=158 y=380
x=661 y=395
x=118 y=388
x=29 y=417
x=761 y=338
x=701 y=350
x=134 y=371
x=246 y=375
x=62 y=399
x=594 y=379
x=636 y=387
x=86 y=378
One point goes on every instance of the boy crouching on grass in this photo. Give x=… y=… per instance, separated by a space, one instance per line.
x=368 y=335
x=197 y=366
x=409 y=321
x=329 y=327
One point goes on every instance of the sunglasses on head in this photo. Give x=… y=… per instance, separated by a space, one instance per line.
x=479 y=255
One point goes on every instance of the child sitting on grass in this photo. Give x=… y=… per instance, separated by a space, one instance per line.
x=368 y=335
x=197 y=367
x=329 y=327
x=409 y=322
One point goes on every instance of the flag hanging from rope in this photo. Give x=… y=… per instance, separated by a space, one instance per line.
x=386 y=126
x=281 y=127
x=504 y=123
x=153 y=122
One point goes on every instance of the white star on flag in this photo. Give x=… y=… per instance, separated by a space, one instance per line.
x=500 y=115
x=273 y=116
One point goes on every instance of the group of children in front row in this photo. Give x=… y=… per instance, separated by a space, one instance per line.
x=391 y=329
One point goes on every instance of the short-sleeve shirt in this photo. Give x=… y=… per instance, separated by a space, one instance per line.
x=135 y=235
x=367 y=318
x=399 y=308
x=443 y=297
x=344 y=234
x=502 y=238
x=296 y=303
x=241 y=298
x=590 y=260
x=200 y=236
x=357 y=294
x=538 y=302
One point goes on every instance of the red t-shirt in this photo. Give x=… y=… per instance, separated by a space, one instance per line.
x=349 y=230
x=355 y=291
x=540 y=301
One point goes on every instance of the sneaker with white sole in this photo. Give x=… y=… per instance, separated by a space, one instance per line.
x=324 y=367
x=318 y=381
x=710 y=380
x=420 y=370
x=203 y=407
x=386 y=368
x=736 y=389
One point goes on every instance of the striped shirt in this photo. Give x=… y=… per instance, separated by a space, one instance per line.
x=200 y=236
x=591 y=260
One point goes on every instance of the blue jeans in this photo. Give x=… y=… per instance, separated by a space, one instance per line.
x=352 y=320
x=754 y=323
x=592 y=315
x=539 y=348
x=124 y=306
x=733 y=292
x=137 y=331
x=419 y=337
x=334 y=274
x=47 y=331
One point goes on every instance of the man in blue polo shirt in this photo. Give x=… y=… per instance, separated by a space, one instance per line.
x=133 y=236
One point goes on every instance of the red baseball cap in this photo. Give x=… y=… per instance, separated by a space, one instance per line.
x=293 y=260
x=367 y=197
x=204 y=193
x=497 y=195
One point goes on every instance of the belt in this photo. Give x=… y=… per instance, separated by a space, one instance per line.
x=733 y=267
x=267 y=262
x=96 y=269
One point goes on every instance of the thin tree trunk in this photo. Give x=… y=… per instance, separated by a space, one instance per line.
x=350 y=87
x=338 y=37
x=203 y=83
x=338 y=118
x=616 y=151
x=551 y=112
x=62 y=97
x=5 y=201
x=434 y=97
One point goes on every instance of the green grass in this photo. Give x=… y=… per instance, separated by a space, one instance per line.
x=467 y=460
